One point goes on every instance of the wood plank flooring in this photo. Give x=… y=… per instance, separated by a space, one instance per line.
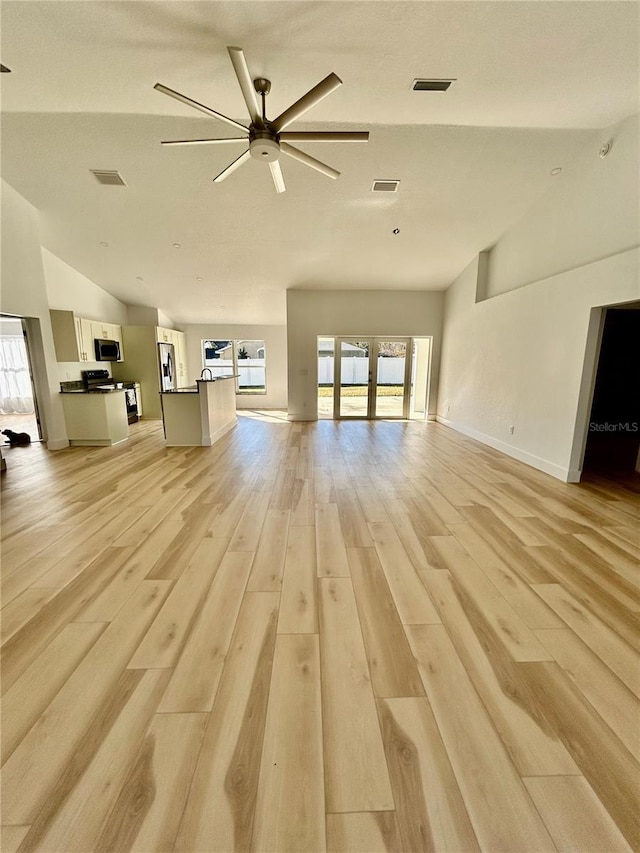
x=330 y=637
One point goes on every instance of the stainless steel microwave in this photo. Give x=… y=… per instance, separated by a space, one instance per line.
x=107 y=350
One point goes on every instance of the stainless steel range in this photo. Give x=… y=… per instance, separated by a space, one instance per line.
x=99 y=382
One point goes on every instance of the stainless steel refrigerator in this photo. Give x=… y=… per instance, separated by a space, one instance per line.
x=167 y=365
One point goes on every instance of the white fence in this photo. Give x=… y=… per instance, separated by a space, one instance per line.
x=251 y=370
x=355 y=371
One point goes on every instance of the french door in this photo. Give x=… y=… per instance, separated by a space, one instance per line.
x=372 y=378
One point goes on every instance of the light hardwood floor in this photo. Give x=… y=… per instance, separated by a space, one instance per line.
x=316 y=637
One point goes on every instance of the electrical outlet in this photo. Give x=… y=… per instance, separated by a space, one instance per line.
x=511 y=429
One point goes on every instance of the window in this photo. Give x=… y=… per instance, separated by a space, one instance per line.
x=245 y=359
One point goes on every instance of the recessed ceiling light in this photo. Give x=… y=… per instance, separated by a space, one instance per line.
x=176 y=245
x=103 y=243
x=434 y=85
x=198 y=278
x=556 y=171
x=396 y=230
x=4 y=69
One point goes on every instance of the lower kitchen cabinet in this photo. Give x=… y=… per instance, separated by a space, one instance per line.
x=96 y=419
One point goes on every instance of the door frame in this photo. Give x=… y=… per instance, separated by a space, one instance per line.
x=374 y=342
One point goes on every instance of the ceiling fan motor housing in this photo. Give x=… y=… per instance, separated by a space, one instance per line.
x=264 y=145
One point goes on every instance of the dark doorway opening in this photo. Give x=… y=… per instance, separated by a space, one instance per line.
x=613 y=438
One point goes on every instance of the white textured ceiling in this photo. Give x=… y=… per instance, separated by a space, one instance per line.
x=535 y=81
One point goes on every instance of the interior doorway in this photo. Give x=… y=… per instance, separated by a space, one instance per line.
x=613 y=437
x=18 y=399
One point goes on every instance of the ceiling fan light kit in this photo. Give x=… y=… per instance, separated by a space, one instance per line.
x=268 y=139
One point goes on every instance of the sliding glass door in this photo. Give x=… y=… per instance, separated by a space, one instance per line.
x=372 y=377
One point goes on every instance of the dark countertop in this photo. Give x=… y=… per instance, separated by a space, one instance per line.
x=77 y=386
x=90 y=393
x=191 y=390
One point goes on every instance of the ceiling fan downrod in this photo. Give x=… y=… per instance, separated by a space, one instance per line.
x=262 y=87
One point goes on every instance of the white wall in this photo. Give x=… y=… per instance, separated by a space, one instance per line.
x=591 y=211
x=24 y=293
x=69 y=290
x=524 y=356
x=275 y=338
x=311 y=313
x=143 y=315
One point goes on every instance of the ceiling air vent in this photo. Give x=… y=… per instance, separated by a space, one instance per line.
x=385 y=186
x=108 y=178
x=432 y=85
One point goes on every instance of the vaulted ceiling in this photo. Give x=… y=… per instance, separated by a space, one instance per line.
x=534 y=83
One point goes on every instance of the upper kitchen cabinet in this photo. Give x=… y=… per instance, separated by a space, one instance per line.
x=74 y=337
x=109 y=332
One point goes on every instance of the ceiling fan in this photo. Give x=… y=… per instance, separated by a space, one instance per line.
x=268 y=139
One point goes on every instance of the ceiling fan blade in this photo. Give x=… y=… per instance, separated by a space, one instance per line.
x=232 y=167
x=313 y=96
x=204 y=141
x=246 y=83
x=276 y=174
x=196 y=106
x=308 y=161
x=327 y=136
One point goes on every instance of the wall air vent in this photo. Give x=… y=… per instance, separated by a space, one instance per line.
x=108 y=178
x=385 y=186
x=420 y=85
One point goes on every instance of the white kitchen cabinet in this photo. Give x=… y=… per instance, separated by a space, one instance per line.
x=180 y=343
x=201 y=416
x=107 y=331
x=72 y=337
x=95 y=420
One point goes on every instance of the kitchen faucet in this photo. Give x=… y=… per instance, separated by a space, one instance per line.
x=206 y=370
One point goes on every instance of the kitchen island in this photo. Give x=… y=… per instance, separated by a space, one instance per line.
x=200 y=415
x=95 y=419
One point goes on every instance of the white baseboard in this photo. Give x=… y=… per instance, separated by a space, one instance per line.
x=57 y=444
x=209 y=441
x=567 y=475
